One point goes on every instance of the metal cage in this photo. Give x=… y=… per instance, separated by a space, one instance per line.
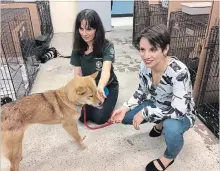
x=208 y=99
x=45 y=19
x=145 y=15
x=18 y=61
x=187 y=34
x=6 y=1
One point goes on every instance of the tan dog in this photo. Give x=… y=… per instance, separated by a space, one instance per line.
x=52 y=107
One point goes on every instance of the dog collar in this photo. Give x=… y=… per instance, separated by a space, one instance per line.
x=78 y=108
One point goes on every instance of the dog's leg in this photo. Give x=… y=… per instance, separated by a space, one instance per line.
x=71 y=127
x=12 y=147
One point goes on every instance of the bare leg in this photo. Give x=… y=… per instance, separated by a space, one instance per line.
x=159 y=126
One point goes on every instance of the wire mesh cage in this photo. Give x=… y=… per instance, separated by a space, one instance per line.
x=6 y=1
x=146 y=14
x=18 y=62
x=208 y=99
x=187 y=35
x=45 y=18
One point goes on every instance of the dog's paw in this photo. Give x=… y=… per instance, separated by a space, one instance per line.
x=82 y=138
x=80 y=143
x=82 y=146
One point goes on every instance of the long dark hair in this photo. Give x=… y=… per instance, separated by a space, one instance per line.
x=93 y=20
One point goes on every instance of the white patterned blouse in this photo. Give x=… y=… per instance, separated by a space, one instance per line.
x=172 y=96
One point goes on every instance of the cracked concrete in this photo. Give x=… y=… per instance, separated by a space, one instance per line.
x=114 y=148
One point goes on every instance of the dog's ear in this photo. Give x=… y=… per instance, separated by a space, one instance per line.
x=94 y=75
x=81 y=90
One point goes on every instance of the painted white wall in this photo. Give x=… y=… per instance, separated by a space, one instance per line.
x=63 y=14
x=103 y=8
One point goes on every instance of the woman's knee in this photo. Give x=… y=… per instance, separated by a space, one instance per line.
x=129 y=116
x=128 y=120
x=172 y=128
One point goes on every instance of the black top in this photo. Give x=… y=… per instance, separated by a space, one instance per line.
x=90 y=63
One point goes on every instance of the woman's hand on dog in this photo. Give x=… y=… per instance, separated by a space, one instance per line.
x=101 y=94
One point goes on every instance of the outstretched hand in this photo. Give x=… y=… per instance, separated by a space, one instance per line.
x=118 y=115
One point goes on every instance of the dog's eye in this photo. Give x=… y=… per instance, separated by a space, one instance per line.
x=91 y=96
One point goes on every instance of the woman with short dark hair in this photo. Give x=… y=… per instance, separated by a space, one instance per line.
x=163 y=97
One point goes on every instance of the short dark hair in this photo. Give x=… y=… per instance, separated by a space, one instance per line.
x=93 y=20
x=158 y=36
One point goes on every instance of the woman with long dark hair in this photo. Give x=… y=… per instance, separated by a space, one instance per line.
x=92 y=52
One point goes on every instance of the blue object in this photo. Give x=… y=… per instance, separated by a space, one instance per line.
x=106 y=91
x=123 y=7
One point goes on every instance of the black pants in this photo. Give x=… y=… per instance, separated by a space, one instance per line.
x=101 y=116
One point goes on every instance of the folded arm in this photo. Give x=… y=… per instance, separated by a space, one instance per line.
x=181 y=103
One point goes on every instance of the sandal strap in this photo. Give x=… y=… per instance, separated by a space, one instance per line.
x=161 y=164
x=157 y=130
x=171 y=163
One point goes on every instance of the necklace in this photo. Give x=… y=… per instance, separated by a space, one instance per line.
x=90 y=47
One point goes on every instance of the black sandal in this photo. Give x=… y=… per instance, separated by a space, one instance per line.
x=152 y=167
x=155 y=132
